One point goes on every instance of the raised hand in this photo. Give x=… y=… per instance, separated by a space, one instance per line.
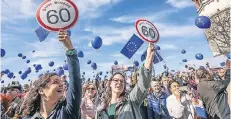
x=65 y=39
x=150 y=56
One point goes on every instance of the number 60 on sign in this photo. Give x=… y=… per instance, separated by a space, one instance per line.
x=54 y=15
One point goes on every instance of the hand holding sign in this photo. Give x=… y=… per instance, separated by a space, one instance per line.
x=55 y=15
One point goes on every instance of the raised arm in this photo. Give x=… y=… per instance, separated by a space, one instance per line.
x=74 y=92
x=138 y=93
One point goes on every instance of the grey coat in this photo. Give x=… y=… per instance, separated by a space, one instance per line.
x=213 y=94
x=130 y=107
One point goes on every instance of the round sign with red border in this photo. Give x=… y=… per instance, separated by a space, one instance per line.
x=147 y=31
x=55 y=15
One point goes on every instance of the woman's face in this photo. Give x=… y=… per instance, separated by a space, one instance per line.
x=156 y=87
x=117 y=84
x=165 y=81
x=174 y=87
x=90 y=90
x=53 y=89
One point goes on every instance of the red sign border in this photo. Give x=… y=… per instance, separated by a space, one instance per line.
x=56 y=29
x=136 y=25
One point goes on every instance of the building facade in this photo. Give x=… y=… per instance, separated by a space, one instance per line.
x=218 y=35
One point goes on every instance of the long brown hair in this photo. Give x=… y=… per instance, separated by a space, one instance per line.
x=85 y=87
x=109 y=92
x=32 y=101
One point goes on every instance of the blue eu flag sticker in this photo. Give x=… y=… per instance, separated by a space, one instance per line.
x=132 y=46
x=42 y=33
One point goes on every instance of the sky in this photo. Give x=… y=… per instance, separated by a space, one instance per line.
x=113 y=21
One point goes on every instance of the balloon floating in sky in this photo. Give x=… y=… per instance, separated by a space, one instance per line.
x=199 y=56
x=51 y=63
x=33 y=51
x=59 y=72
x=184 y=60
x=7 y=71
x=89 y=62
x=183 y=51
x=100 y=73
x=28 y=71
x=24 y=76
x=3 y=52
x=28 y=61
x=115 y=62
x=203 y=22
x=23 y=57
x=13 y=77
x=228 y=55
x=222 y=64
x=38 y=67
x=96 y=42
x=80 y=54
x=65 y=66
x=2 y=81
x=36 y=71
x=19 y=72
x=19 y=54
x=107 y=72
x=136 y=63
x=10 y=75
x=94 y=66
x=83 y=72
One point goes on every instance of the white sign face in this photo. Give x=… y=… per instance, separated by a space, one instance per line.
x=147 y=31
x=54 y=15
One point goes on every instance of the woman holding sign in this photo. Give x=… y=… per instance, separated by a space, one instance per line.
x=44 y=97
x=121 y=106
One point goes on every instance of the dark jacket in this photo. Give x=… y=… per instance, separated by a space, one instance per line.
x=213 y=94
x=157 y=106
x=129 y=108
x=13 y=106
x=69 y=108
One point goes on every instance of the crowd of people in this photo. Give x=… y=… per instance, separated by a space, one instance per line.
x=196 y=94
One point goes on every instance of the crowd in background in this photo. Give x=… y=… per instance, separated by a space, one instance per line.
x=196 y=94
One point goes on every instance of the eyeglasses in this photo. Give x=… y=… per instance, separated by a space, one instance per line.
x=117 y=80
x=90 y=88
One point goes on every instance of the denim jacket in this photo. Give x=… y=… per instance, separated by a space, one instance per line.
x=157 y=106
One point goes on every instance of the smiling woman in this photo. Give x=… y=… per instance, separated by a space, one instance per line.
x=44 y=99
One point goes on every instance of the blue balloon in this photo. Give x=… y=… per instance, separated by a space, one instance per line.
x=96 y=42
x=100 y=73
x=115 y=62
x=136 y=63
x=222 y=64
x=28 y=61
x=10 y=75
x=199 y=56
x=23 y=57
x=183 y=51
x=34 y=65
x=13 y=77
x=19 y=72
x=7 y=71
x=228 y=55
x=51 y=63
x=157 y=47
x=80 y=54
x=3 y=72
x=37 y=71
x=165 y=67
x=65 y=66
x=2 y=81
x=203 y=22
x=89 y=62
x=29 y=80
x=19 y=54
x=83 y=72
x=184 y=60
x=59 y=72
x=38 y=67
x=3 y=52
x=28 y=71
x=48 y=71
x=94 y=65
x=33 y=51
x=107 y=72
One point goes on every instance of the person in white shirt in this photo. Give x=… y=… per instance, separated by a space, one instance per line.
x=179 y=104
